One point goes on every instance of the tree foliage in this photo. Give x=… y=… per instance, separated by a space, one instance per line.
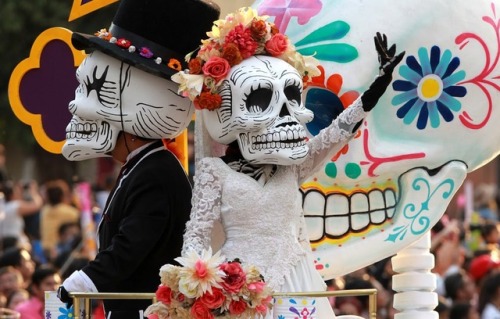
x=20 y=25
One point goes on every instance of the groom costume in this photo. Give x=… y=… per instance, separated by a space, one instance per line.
x=144 y=218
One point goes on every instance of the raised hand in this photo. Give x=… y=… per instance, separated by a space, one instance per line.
x=386 y=57
x=387 y=62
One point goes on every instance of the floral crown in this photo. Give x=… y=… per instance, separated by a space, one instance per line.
x=237 y=37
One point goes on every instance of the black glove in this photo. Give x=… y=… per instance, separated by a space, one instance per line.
x=63 y=295
x=388 y=61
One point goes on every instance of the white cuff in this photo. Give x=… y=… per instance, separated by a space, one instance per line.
x=79 y=282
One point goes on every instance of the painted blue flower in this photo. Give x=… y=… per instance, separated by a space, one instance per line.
x=66 y=313
x=430 y=89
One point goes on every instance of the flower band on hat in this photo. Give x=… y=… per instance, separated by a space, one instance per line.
x=237 y=37
x=143 y=51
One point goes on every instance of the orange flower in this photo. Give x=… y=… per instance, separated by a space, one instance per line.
x=232 y=54
x=175 y=64
x=274 y=29
x=195 y=66
x=258 y=29
x=207 y=100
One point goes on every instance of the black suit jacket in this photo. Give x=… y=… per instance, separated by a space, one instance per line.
x=142 y=226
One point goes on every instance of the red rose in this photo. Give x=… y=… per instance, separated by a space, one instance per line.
x=123 y=43
x=216 y=67
x=237 y=307
x=207 y=100
x=213 y=300
x=235 y=276
x=200 y=311
x=277 y=45
x=164 y=294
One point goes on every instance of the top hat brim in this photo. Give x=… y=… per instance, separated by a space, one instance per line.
x=89 y=43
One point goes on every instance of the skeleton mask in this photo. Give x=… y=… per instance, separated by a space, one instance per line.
x=114 y=96
x=436 y=122
x=262 y=109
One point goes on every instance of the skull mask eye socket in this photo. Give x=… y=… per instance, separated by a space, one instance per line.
x=293 y=93
x=258 y=100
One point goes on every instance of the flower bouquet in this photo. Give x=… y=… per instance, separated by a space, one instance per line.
x=208 y=287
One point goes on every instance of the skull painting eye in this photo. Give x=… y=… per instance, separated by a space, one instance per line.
x=105 y=90
x=258 y=100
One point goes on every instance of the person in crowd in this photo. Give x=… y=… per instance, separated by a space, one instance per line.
x=20 y=259
x=16 y=297
x=485 y=201
x=56 y=212
x=490 y=237
x=481 y=266
x=16 y=207
x=489 y=297
x=460 y=287
x=10 y=280
x=463 y=310
x=45 y=278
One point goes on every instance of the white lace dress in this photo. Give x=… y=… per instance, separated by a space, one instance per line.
x=264 y=224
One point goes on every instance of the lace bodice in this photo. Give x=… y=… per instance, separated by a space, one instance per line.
x=264 y=225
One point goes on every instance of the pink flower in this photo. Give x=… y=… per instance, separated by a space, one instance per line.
x=213 y=300
x=235 y=276
x=242 y=37
x=164 y=294
x=201 y=269
x=153 y=316
x=237 y=307
x=200 y=311
x=257 y=286
x=216 y=67
x=277 y=45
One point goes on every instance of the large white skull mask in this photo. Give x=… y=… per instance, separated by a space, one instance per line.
x=262 y=109
x=113 y=96
x=435 y=123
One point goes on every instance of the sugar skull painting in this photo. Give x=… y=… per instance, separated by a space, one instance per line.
x=436 y=123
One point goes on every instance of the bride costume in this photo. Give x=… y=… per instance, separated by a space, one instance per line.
x=253 y=191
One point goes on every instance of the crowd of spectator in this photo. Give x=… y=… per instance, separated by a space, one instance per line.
x=41 y=244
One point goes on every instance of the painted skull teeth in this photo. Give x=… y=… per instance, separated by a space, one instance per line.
x=336 y=215
x=79 y=130
x=283 y=137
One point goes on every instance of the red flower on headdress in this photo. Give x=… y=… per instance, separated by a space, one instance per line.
x=242 y=37
x=123 y=43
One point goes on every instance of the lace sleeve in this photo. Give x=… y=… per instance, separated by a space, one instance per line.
x=205 y=209
x=331 y=139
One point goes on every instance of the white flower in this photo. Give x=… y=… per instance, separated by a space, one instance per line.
x=190 y=85
x=311 y=66
x=200 y=273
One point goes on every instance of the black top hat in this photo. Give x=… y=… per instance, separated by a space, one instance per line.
x=153 y=35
